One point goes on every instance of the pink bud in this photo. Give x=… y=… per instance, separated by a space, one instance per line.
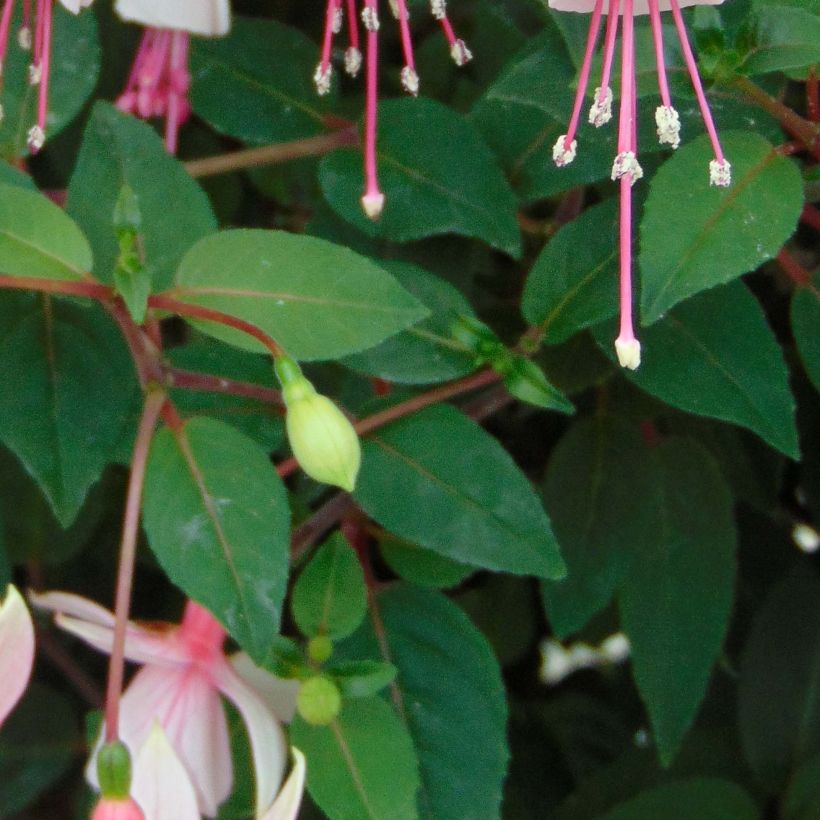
x=110 y=808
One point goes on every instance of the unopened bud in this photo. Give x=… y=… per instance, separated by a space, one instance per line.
x=110 y=808
x=319 y=701
x=114 y=770
x=320 y=648
x=322 y=438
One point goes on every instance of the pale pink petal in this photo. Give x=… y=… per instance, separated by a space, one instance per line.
x=16 y=650
x=161 y=784
x=141 y=645
x=117 y=809
x=279 y=694
x=208 y=18
x=286 y=805
x=267 y=739
x=67 y=603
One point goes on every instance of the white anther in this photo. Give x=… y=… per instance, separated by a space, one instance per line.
x=394 y=7
x=561 y=154
x=410 y=81
x=626 y=163
x=438 y=9
x=36 y=138
x=370 y=18
x=338 y=20
x=720 y=173
x=35 y=73
x=628 y=352
x=373 y=205
x=460 y=53
x=668 y=122
x=600 y=112
x=322 y=77
x=353 y=61
x=806 y=537
x=24 y=38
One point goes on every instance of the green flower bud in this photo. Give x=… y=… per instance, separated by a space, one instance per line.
x=322 y=438
x=114 y=770
x=318 y=701
x=320 y=648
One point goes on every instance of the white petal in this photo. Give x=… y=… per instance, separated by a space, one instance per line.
x=67 y=603
x=279 y=694
x=286 y=805
x=161 y=785
x=267 y=739
x=74 y=6
x=208 y=18
x=16 y=650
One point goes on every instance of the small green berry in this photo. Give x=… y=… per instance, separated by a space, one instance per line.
x=320 y=648
x=318 y=701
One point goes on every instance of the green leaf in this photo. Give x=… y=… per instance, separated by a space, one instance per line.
x=446 y=669
x=67 y=382
x=38 y=239
x=437 y=479
x=421 y=566
x=117 y=151
x=702 y=798
x=32 y=760
x=594 y=479
x=318 y=300
x=526 y=382
x=802 y=798
x=255 y=84
x=425 y=353
x=781 y=39
x=361 y=766
x=438 y=177
x=330 y=597
x=217 y=518
x=573 y=283
x=805 y=316
x=75 y=67
x=695 y=236
x=676 y=600
x=715 y=355
x=361 y=679
x=779 y=693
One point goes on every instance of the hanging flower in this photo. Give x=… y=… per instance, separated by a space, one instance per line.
x=16 y=650
x=40 y=45
x=184 y=673
x=159 y=81
x=373 y=198
x=626 y=167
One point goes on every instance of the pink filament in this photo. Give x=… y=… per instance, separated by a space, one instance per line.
x=327 y=42
x=179 y=81
x=609 y=44
x=5 y=25
x=371 y=108
x=448 y=30
x=352 y=24
x=406 y=41
x=42 y=58
x=583 y=79
x=692 y=66
x=657 y=39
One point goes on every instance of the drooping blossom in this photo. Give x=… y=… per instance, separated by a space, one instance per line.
x=160 y=79
x=626 y=167
x=35 y=36
x=184 y=672
x=373 y=198
x=117 y=808
x=16 y=650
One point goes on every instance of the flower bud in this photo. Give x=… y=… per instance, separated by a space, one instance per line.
x=319 y=701
x=321 y=437
x=320 y=648
x=111 y=808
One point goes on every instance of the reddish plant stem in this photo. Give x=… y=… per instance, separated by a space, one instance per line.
x=91 y=290
x=154 y=402
x=65 y=663
x=811 y=216
x=794 y=270
x=210 y=315
x=313 y=528
x=187 y=380
x=813 y=95
x=144 y=352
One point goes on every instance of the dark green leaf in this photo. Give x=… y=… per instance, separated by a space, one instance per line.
x=217 y=518
x=802 y=798
x=676 y=600
x=119 y=150
x=806 y=329
x=361 y=679
x=421 y=566
x=67 y=388
x=781 y=38
x=361 y=766
x=779 y=694
x=38 y=239
x=330 y=597
x=437 y=479
x=438 y=177
x=318 y=300
x=695 y=236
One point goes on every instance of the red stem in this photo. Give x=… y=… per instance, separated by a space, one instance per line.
x=186 y=380
x=811 y=216
x=794 y=270
x=92 y=290
x=154 y=402
x=813 y=95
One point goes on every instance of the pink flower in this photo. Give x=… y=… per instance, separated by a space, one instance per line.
x=184 y=673
x=111 y=808
x=626 y=167
x=373 y=198
x=16 y=650
x=159 y=81
x=40 y=67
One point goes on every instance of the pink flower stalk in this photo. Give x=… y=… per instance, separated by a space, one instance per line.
x=16 y=650
x=626 y=167
x=113 y=808
x=160 y=80
x=373 y=198
x=178 y=689
x=40 y=44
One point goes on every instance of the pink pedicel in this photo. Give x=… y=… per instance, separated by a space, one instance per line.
x=159 y=82
x=373 y=198
x=626 y=168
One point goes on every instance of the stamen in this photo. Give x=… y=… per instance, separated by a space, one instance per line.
x=321 y=78
x=42 y=57
x=24 y=38
x=338 y=20
x=410 y=80
x=36 y=138
x=179 y=81
x=626 y=164
x=394 y=8
x=720 y=173
x=458 y=48
x=438 y=8
x=563 y=152
x=370 y=18
x=5 y=25
x=409 y=77
x=373 y=199
x=324 y=71
x=353 y=61
x=668 y=123
x=600 y=111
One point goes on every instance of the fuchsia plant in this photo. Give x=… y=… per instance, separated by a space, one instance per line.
x=626 y=167
x=16 y=650
x=373 y=198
